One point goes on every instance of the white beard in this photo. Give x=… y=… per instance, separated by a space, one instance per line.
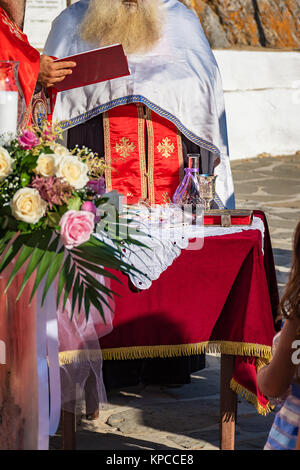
x=138 y=28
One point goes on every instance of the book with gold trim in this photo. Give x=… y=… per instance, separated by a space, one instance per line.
x=227 y=218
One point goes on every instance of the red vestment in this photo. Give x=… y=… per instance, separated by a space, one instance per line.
x=144 y=154
x=15 y=47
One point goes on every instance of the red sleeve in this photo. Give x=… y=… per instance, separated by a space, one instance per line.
x=15 y=46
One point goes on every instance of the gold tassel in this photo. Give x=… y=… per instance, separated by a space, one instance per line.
x=69 y=357
x=251 y=397
x=164 y=351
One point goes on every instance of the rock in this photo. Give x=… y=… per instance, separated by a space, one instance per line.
x=212 y=26
x=256 y=23
x=280 y=22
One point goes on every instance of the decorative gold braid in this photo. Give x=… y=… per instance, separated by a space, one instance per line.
x=13 y=27
x=107 y=151
x=151 y=190
x=142 y=151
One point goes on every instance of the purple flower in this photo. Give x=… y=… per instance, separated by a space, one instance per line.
x=98 y=186
x=28 y=140
x=89 y=206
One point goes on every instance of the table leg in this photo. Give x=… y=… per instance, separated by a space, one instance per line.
x=228 y=404
x=68 y=430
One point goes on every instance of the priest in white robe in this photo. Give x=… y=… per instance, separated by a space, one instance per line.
x=146 y=124
x=172 y=104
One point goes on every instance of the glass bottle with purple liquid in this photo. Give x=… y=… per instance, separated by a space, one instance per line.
x=188 y=192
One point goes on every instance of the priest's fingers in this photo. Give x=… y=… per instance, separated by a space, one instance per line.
x=58 y=79
x=51 y=72
x=64 y=65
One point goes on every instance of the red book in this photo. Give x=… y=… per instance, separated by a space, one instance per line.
x=95 y=66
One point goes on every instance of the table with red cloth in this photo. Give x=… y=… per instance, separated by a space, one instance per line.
x=222 y=298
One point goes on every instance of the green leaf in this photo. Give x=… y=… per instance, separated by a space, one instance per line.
x=97 y=269
x=94 y=297
x=44 y=265
x=36 y=256
x=80 y=296
x=87 y=304
x=63 y=276
x=68 y=285
x=98 y=285
x=53 y=219
x=5 y=239
x=25 y=253
x=13 y=251
x=25 y=179
x=53 y=271
x=74 y=203
x=23 y=226
x=75 y=294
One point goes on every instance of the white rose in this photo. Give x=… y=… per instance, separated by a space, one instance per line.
x=47 y=164
x=28 y=206
x=6 y=163
x=60 y=150
x=74 y=171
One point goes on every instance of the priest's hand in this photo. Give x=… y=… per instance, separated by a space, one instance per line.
x=53 y=72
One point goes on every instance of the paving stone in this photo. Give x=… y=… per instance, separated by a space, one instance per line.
x=87 y=440
x=255 y=423
x=176 y=417
x=196 y=440
x=202 y=385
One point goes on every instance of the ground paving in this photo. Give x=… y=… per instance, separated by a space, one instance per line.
x=186 y=418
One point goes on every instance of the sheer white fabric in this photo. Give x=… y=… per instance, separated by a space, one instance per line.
x=80 y=356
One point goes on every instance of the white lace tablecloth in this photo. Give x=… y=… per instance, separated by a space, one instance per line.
x=165 y=246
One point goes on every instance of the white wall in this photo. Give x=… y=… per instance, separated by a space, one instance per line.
x=262 y=96
x=39 y=15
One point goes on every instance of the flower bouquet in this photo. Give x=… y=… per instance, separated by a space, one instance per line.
x=51 y=200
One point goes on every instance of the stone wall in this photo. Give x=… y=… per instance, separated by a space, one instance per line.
x=257 y=23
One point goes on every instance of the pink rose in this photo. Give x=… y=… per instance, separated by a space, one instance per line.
x=76 y=228
x=89 y=206
x=28 y=140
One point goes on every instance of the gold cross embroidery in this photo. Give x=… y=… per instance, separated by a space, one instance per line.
x=166 y=148
x=124 y=147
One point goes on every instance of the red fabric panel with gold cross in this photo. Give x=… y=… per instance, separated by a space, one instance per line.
x=124 y=142
x=165 y=158
x=137 y=169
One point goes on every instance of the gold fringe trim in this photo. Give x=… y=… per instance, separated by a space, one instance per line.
x=251 y=397
x=164 y=351
x=69 y=357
